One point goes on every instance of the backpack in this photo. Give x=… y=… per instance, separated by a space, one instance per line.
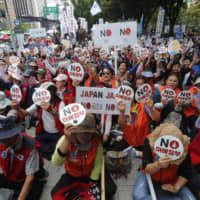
x=78 y=191
x=118 y=163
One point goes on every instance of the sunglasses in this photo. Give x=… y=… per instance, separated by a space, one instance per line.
x=106 y=73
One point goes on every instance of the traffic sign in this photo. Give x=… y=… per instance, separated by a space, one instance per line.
x=16 y=22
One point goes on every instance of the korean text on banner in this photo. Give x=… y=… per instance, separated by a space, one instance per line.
x=115 y=34
x=99 y=100
x=38 y=32
x=160 y=21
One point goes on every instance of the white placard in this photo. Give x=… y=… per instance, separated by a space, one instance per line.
x=99 y=100
x=16 y=93
x=184 y=96
x=103 y=52
x=144 y=52
x=14 y=60
x=76 y=71
x=162 y=50
x=169 y=146
x=41 y=95
x=174 y=47
x=124 y=94
x=62 y=54
x=35 y=51
x=115 y=34
x=12 y=69
x=72 y=114
x=37 y=33
x=143 y=92
x=168 y=94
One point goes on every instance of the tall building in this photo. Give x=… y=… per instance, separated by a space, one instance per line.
x=23 y=8
x=11 y=11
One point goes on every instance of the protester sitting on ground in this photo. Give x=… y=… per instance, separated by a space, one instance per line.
x=166 y=106
x=81 y=150
x=169 y=176
x=40 y=74
x=136 y=125
x=20 y=160
x=49 y=128
x=63 y=92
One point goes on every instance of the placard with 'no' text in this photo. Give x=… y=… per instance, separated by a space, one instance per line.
x=99 y=100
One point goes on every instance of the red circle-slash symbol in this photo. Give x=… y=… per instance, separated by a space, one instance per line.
x=108 y=32
x=128 y=31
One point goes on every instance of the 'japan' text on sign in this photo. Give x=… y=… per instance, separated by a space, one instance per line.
x=99 y=100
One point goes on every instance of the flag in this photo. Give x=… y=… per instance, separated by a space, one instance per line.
x=95 y=9
x=179 y=32
x=141 y=26
x=160 y=21
x=123 y=17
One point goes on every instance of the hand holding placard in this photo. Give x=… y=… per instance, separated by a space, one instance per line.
x=72 y=114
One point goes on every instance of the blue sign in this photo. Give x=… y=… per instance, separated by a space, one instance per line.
x=16 y=22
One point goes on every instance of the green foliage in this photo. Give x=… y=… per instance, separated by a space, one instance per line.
x=192 y=18
x=112 y=10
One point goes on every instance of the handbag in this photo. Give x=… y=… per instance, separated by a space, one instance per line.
x=118 y=163
x=78 y=191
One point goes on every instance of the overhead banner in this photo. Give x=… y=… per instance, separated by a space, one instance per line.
x=99 y=100
x=115 y=34
x=37 y=32
x=160 y=21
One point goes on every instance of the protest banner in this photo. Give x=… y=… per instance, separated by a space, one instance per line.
x=124 y=94
x=16 y=93
x=76 y=71
x=99 y=100
x=184 y=96
x=170 y=146
x=41 y=95
x=103 y=52
x=174 y=47
x=115 y=34
x=72 y=114
x=168 y=94
x=37 y=32
x=162 y=50
x=12 y=69
x=160 y=21
x=143 y=92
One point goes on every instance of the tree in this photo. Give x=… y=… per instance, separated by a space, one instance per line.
x=172 y=8
x=192 y=18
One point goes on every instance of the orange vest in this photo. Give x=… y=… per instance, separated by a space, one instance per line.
x=167 y=175
x=89 y=81
x=80 y=164
x=191 y=109
x=138 y=128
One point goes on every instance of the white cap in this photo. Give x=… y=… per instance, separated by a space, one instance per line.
x=61 y=77
x=197 y=81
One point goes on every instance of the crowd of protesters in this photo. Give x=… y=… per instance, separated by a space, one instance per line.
x=81 y=147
